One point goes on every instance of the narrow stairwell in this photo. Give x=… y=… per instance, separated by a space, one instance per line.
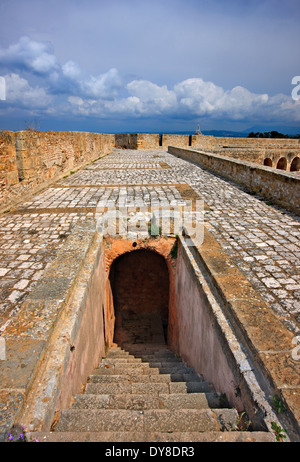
x=145 y=393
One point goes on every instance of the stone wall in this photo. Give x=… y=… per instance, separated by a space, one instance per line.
x=115 y=248
x=175 y=140
x=222 y=334
x=8 y=160
x=56 y=337
x=256 y=142
x=249 y=149
x=280 y=187
x=141 y=282
x=148 y=141
x=30 y=160
x=200 y=342
x=126 y=140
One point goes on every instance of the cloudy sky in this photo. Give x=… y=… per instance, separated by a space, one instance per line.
x=127 y=65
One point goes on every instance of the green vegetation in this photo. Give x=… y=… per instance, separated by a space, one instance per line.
x=243 y=423
x=272 y=134
x=278 y=404
x=153 y=229
x=279 y=432
x=174 y=250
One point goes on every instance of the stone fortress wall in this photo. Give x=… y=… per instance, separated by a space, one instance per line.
x=53 y=273
x=31 y=160
x=265 y=151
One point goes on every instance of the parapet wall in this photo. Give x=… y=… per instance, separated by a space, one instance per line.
x=30 y=160
x=204 y=142
x=249 y=149
x=282 y=188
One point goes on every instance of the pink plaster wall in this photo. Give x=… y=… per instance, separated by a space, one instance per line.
x=88 y=345
x=199 y=343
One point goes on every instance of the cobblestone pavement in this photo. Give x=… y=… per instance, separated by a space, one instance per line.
x=262 y=240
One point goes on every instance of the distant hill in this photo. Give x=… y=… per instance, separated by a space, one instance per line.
x=290 y=131
x=207 y=132
x=225 y=133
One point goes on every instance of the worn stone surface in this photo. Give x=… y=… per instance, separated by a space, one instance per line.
x=164 y=407
x=259 y=244
x=152 y=437
x=276 y=186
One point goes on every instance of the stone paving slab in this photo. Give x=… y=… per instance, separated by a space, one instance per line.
x=28 y=330
x=164 y=420
x=152 y=437
x=260 y=240
x=142 y=401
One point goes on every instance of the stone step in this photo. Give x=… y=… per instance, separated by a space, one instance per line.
x=115 y=370
x=149 y=349
x=128 y=359
x=111 y=369
x=141 y=402
x=159 y=358
x=164 y=420
x=123 y=366
x=142 y=368
x=175 y=369
x=117 y=354
x=143 y=378
x=151 y=437
x=148 y=388
x=156 y=353
x=113 y=351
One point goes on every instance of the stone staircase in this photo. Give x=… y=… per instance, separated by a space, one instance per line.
x=145 y=393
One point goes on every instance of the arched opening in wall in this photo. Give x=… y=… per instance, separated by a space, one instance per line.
x=295 y=165
x=140 y=286
x=268 y=162
x=282 y=163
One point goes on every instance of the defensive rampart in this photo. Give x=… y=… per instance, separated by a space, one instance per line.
x=31 y=160
x=282 y=188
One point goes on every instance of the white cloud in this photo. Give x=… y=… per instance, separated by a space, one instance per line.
x=20 y=94
x=30 y=54
x=71 y=70
x=62 y=88
x=151 y=98
x=106 y=85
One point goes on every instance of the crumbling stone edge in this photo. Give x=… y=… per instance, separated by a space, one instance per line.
x=48 y=338
x=239 y=320
x=41 y=334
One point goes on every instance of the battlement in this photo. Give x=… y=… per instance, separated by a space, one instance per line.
x=233 y=280
x=31 y=160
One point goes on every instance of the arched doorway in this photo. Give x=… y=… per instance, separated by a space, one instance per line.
x=295 y=165
x=282 y=163
x=140 y=286
x=268 y=162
